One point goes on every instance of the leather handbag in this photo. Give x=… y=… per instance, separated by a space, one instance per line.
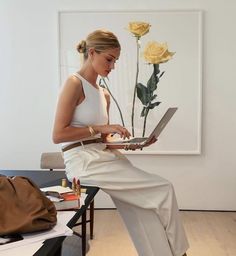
x=23 y=207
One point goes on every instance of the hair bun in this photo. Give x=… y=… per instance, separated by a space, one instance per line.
x=81 y=47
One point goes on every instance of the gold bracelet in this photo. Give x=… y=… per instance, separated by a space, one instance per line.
x=91 y=130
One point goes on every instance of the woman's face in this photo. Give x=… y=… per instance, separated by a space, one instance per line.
x=104 y=62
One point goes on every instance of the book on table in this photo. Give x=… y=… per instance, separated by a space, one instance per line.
x=70 y=201
x=64 y=198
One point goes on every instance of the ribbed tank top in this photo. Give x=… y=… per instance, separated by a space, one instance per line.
x=91 y=111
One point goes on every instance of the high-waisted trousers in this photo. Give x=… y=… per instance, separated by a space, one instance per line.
x=146 y=202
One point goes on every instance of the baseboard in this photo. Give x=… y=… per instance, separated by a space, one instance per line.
x=182 y=210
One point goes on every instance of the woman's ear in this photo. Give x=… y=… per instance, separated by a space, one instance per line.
x=91 y=52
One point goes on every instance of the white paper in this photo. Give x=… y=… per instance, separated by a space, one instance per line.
x=58 y=189
x=60 y=229
x=26 y=250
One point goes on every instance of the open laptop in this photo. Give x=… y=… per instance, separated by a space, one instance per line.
x=155 y=133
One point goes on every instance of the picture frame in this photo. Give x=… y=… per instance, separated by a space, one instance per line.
x=180 y=86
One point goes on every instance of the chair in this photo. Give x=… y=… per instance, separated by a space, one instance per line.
x=54 y=160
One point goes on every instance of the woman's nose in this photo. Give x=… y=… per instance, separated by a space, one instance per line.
x=112 y=65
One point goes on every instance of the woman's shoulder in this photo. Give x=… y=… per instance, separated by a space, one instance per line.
x=73 y=82
x=73 y=79
x=72 y=87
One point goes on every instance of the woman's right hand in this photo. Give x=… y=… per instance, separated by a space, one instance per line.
x=112 y=128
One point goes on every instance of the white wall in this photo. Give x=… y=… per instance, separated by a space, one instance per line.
x=29 y=82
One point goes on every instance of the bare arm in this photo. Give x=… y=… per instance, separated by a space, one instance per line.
x=70 y=96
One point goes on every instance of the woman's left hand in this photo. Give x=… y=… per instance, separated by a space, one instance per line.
x=150 y=142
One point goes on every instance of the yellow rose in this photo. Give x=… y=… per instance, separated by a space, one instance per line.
x=139 y=28
x=155 y=53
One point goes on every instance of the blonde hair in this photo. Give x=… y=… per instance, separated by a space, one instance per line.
x=100 y=40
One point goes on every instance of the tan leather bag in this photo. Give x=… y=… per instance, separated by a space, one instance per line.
x=23 y=207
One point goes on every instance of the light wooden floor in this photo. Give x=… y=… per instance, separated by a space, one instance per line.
x=209 y=234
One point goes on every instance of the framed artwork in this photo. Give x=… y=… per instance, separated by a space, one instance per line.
x=180 y=86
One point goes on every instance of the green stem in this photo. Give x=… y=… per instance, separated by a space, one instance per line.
x=156 y=69
x=135 y=86
x=121 y=116
x=144 y=122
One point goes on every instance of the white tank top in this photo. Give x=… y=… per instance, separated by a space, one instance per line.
x=91 y=111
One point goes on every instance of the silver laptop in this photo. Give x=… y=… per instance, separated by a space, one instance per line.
x=155 y=133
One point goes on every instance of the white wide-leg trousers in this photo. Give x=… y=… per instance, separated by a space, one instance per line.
x=145 y=201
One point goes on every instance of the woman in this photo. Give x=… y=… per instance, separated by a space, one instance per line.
x=145 y=201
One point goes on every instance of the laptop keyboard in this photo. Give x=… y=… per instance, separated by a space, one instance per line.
x=137 y=140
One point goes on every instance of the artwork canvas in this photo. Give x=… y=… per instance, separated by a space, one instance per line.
x=180 y=86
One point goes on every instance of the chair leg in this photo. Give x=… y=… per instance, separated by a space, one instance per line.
x=84 y=219
x=91 y=219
